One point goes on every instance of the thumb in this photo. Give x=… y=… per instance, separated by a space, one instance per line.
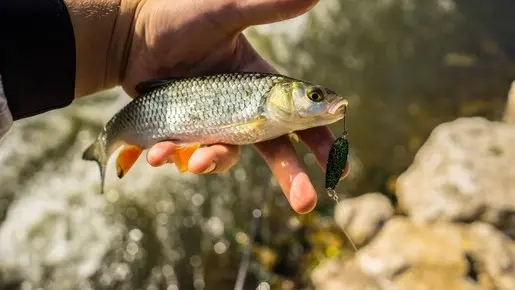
x=256 y=12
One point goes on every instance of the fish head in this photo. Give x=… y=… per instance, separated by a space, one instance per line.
x=305 y=104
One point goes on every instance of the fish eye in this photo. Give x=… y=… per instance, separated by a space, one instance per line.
x=316 y=95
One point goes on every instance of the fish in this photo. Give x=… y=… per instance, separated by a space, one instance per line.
x=227 y=108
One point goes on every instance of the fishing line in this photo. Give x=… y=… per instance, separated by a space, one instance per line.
x=254 y=225
x=345 y=134
x=347 y=236
x=331 y=191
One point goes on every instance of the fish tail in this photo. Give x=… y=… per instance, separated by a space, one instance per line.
x=96 y=153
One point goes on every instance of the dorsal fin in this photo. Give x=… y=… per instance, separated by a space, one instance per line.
x=146 y=86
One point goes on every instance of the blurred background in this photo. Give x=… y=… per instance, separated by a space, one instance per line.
x=430 y=201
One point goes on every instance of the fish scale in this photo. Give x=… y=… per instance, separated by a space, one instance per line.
x=231 y=108
x=217 y=105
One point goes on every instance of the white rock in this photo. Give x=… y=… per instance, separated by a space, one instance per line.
x=464 y=171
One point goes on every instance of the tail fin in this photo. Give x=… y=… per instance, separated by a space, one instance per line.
x=95 y=153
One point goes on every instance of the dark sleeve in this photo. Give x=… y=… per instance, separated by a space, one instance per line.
x=37 y=56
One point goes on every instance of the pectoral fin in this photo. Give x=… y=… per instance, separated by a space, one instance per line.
x=126 y=159
x=181 y=156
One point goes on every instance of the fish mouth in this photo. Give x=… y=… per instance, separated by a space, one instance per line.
x=338 y=107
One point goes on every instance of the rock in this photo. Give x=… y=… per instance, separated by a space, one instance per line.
x=403 y=244
x=419 y=255
x=427 y=279
x=492 y=254
x=335 y=274
x=363 y=216
x=463 y=172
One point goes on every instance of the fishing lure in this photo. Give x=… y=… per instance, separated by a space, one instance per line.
x=335 y=165
x=336 y=162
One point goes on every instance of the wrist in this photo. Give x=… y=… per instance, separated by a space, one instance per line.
x=103 y=34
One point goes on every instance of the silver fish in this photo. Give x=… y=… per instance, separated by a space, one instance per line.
x=231 y=108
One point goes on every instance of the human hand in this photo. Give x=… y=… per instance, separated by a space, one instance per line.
x=186 y=38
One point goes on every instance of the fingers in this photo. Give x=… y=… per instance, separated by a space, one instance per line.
x=212 y=159
x=160 y=153
x=282 y=159
x=256 y=12
x=278 y=153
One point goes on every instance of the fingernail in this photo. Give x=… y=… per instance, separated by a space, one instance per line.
x=210 y=168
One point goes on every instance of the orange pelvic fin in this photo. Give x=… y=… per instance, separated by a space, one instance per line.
x=126 y=159
x=181 y=156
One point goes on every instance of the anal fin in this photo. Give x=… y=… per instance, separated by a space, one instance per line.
x=181 y=156
x=126 y=159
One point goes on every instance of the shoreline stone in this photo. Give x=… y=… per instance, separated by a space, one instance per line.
x=407 y=255
x=363 y=216
x=464 y=172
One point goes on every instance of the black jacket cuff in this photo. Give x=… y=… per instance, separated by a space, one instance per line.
x=37 y=56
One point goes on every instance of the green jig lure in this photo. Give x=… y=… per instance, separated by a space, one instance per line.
x=336 y=162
